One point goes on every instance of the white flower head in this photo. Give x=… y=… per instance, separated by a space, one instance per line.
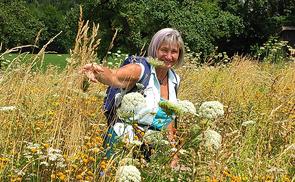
x=182 y=151
x=180 y=107
x=186 y=106
x=128 y=173
x=173 y=149
x=129 y=161
x=211 y=109
x=7 y=108
x=131 y=104
x=33 y=148
x=44 y=163
x=250 y=122
x=19 y=172
x=54 y=155
x=212 y=139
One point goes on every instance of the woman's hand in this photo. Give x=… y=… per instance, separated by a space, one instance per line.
x=92 y=71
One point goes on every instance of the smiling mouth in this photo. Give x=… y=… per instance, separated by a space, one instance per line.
x=168 y=62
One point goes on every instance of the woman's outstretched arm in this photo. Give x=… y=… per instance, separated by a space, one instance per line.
x=124 y=77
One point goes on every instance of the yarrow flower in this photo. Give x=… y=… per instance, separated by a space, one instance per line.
x=212 y=139
x=128 y=173
x=33 y=149
x=131 y=105
x=54 y=155
x=7 y=108
x=211 y=109
x=250 y=122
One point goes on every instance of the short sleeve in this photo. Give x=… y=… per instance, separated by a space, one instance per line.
x=142 y=70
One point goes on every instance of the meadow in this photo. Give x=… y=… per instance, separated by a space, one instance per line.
x=52 y=125
x=53 y=59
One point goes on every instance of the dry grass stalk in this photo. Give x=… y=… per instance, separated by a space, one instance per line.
x=104 y=62
x=85 y=49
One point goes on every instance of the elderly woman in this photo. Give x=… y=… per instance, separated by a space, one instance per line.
x=167 y=46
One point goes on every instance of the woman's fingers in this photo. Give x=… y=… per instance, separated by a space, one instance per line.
x=85 y=68
x=97 y=68
x=91 y=76
x=92 y=67
x=91 y=70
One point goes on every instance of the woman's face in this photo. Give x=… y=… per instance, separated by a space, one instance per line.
x=168 y=53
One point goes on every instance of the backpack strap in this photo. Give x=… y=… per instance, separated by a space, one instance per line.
x=146 y=74
x=144 y=80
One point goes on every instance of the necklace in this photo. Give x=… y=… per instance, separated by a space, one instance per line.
x=162 y=80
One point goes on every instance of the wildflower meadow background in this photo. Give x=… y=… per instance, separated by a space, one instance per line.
x=235 y=123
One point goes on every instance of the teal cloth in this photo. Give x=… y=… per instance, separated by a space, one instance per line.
x=161 y=119
x=110 y=139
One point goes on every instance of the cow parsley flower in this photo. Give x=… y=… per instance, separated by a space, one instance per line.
x=129 y=161
x=186 y=106
x=179 y=108
x=212 y=139
x=211 y=109
x=131 y=105
x=128 y=173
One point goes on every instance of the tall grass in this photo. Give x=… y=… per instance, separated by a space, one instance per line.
x=52 y=111
x=263 y=93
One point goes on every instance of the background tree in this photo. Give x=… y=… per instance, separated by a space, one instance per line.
x=231 y=25
x=18 y=26
x=261 y=20
x=202 y=23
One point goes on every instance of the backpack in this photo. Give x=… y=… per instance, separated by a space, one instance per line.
x=109 y=106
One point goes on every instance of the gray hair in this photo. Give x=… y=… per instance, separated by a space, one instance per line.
x=167 y=35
